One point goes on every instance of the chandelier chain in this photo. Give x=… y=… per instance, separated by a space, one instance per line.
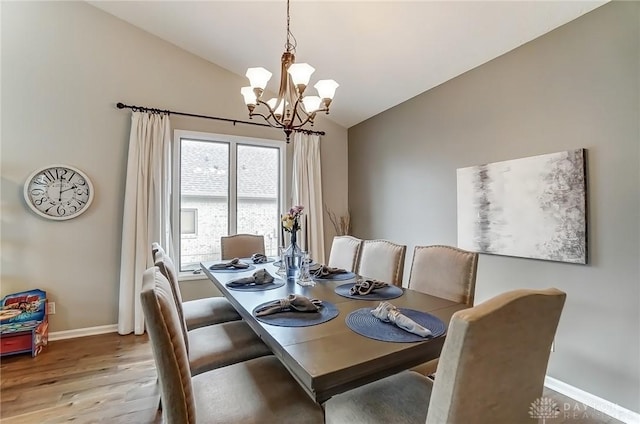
x=289 y=46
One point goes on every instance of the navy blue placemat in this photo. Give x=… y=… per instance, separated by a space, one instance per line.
x=386 y=293
x=335 y=277
x=364 y=323
x=327 y=312
x=251 y=268
x=278 y=282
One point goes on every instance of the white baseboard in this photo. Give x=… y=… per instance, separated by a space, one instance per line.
x=82 y=332
x=601 y=405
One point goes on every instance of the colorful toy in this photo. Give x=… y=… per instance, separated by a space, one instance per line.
x=24 y=323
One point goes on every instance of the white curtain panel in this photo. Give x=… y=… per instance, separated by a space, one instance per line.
x=146 y=216
x=307 y=190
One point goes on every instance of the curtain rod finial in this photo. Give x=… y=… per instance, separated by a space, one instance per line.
x=120 y=105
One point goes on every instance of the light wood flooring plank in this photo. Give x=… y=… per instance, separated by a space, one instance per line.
x=98 y=379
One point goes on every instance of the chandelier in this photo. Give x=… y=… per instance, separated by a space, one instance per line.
x=291 y=110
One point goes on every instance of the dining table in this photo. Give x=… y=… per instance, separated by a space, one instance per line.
x=330 y=358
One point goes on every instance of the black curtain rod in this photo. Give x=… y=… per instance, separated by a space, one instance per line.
x=121 y=105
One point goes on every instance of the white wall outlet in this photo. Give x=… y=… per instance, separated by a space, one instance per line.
x=51 y=308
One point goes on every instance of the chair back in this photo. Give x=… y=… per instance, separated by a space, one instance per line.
x=494 y=359
x=168 y=270
x=345 y=251
x=169 y=351
x=382 y=260
x=444 y=271
x=241 y=245
x=155 y=248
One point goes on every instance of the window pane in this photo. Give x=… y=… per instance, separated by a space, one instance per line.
x=188 y=222
x=204 y=185
x=258 y=189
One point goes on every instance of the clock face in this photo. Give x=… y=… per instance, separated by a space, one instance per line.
x=58 y=192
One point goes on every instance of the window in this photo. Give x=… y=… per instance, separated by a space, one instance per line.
x=226 y=185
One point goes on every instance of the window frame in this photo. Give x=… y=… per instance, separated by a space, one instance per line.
x=233 y=141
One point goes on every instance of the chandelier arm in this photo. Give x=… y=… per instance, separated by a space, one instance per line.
x=280 y=123
x=267 y=120
x=296 y=113
x=302 y=123
x=303 y=119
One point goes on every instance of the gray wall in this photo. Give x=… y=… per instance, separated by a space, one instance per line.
x=64 y=67
x=577 y=86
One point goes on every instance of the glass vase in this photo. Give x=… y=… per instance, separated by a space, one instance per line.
x=293 y=258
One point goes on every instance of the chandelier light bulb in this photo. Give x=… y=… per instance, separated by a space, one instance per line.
x=249 y=95
x=258 y=77
x=278 y=108
x=311 y=103
x=300 y=73
x=326 y=88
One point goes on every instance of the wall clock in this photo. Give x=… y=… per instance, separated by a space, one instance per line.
x=58 y=192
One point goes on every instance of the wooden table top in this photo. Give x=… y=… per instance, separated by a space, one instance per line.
x=329 y=358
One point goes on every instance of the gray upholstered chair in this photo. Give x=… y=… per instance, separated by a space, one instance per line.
x=241 y=245
x=345 y=252
x=198 y=312
x=212 y=346
x=259 y=390
x=443 y=271
x=492 y=368
x=382 y=260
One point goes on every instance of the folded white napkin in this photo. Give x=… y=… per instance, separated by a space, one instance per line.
x=386 y=312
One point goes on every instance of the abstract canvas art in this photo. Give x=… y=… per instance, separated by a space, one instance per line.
x=533 y=207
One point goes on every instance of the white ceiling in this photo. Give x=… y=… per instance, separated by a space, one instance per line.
x=381 y=53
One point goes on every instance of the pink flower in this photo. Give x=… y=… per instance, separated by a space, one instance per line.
x=290 y=220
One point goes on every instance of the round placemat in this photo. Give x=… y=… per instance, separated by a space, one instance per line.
x=336 y=277
x=386 y=293
x=251 y=268
x=278 y=282
x=327 y=312
x=364 y=323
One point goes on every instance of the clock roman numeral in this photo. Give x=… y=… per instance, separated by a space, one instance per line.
x=49 y=175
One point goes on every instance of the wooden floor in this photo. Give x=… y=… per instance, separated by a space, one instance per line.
x=112 y=379
x=97 y=379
